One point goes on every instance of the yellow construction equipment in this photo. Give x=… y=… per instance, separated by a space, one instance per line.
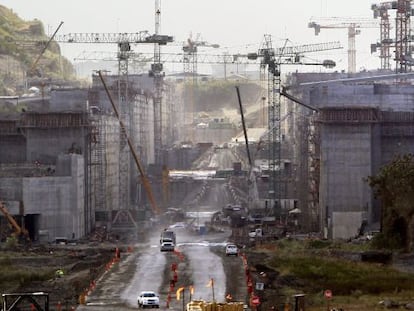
x=144 y=178
x=19 y=232
x=201 y=305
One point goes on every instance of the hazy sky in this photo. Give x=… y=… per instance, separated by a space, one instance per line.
x=236 y=25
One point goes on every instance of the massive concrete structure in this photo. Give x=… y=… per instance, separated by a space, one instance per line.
x=62 y=157
x=359 y=128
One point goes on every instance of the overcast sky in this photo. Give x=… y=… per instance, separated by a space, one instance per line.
x=236 y=25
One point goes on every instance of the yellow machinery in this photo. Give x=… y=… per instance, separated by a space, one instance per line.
x=18 y=230
x=200 y=305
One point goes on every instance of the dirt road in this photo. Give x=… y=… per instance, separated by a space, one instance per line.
x=199 y=259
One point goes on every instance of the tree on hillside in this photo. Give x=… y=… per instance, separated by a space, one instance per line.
x=394 y=187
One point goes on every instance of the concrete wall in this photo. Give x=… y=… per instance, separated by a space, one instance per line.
x=345 y=162
x=45 y=144
x=16 y=149
x=346 y=224
x=11 y=189
x=353 y=149
x=58 y=200
x=55 y=202
x=342 y=95
x=63 y=100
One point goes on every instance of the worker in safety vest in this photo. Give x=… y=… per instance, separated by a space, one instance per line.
x=59 y=273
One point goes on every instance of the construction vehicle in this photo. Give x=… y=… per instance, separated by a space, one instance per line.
x=19 y=231
x=167 y=236
x=201 y=305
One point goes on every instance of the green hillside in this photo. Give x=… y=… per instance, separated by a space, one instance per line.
x=21 y=43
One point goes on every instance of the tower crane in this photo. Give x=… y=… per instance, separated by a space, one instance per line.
x=190 y=50
x=156 y=72
x=124 y=42
x=402 y=39
x=381 y=10
x=271 y=59
x=354 y=26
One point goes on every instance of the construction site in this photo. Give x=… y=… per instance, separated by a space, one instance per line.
x=266 y=154
x=70 y=163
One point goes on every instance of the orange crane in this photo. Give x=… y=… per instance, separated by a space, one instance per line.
x=145 y=181
x=124 y=42
x=353 y=25
x=18 y=230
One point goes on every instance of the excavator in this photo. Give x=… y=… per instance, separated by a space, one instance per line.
x=19 y=232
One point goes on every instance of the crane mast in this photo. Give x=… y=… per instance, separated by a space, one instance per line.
x=402 y=41
x=353 y=25
x=381 y=10
x=190 y=55
x=402 y=35
x=271 y=60
x=124 y=42
x=156 y=71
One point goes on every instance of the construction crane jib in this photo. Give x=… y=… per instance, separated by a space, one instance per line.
x=272 y=59
x=136 y=37
x=190 y=58
x=353 y=25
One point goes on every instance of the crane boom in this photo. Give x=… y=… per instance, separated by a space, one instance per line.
x=215 y=58
x=352 y=24
x=145 y=181
x=137 y=37
x=308 y=48
x=33 y=66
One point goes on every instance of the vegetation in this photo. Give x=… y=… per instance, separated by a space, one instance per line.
x=13 y=276
x=313 y=266
x=394 y=187
x=21 y=43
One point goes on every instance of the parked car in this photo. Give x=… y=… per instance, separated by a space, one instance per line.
x=148 y=299
x=232 y=250
x=167 y=247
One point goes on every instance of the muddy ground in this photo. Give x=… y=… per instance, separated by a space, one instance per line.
x=88 y=261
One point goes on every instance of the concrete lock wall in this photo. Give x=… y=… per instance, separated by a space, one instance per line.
x=64 y=100
x=16 y=149
x=345 y=162
x=346 y=224
x=58 y=200
x=11 y=189
x=44 y=145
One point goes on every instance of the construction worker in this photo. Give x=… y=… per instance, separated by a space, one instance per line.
x=59 y=273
